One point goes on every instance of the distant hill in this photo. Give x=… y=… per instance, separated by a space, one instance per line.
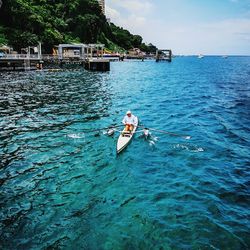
x=26 y=22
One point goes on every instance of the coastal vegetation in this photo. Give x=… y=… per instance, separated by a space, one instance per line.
x=27 y=22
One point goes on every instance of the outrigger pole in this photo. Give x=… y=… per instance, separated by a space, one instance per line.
x=95 y=130
x=187 y=137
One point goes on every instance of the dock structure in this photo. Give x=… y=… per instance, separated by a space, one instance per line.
x=97 y=64
x=66 y=54
x=72 y=51
x=163 y=55
x=94 y=60
x=95 y=50
x=30 y=60
x=88 y=55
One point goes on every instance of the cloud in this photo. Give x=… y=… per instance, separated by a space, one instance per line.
x=181 y=34
x=134 y=23
x=112 y=13
x=136 y=6
x=130 y=14
x=231 y=36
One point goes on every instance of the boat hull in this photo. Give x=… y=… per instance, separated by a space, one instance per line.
x=125 y=138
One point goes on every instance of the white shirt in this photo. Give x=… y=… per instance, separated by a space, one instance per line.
x=129 y=120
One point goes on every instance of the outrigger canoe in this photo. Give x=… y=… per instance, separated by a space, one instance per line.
x=125 y=137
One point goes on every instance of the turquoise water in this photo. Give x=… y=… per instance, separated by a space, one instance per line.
x=63 y=188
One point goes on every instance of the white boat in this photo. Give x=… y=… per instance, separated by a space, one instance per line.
x=125 y=138
x=200 y=56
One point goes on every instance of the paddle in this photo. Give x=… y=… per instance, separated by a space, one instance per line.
x=95 y=130
x=187 y=137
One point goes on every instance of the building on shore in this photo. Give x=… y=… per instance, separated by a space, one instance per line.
x=102 y=5
x=77 y=51
x=135 y=52
x=4 y=49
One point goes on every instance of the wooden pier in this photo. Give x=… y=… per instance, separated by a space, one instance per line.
x=163 y=55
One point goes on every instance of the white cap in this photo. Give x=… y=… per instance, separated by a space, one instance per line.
x=128 y=112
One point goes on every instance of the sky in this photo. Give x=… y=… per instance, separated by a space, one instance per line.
x=209 y=27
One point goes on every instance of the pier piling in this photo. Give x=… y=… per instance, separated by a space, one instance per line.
x=163 y=55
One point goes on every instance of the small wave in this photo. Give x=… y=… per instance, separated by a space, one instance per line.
x=151 y=139
x=154 y=138
x=190 y=148
x=76 y=136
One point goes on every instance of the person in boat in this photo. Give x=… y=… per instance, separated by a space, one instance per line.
x=129 y=121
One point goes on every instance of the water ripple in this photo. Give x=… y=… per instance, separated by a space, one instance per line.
x=64 y=188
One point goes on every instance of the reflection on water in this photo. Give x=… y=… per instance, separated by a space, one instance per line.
x=65 y=188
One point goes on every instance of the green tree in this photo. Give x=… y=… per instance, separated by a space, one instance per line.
x=25 y=22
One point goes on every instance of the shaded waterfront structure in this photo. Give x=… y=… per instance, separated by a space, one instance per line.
x=72 y=51
x=95 y=60
x=29 y=58
x=95 y=50
x=88 y=55
x=78 y=51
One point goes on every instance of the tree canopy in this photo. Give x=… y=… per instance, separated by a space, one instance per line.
x=26 y=22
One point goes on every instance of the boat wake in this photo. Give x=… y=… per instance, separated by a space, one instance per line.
x=190 y=148
x=76 y=136
x=151 y=139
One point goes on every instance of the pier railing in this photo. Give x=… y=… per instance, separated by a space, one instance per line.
x=21 y=56
x=56 y=57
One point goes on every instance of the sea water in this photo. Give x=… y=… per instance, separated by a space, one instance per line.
x=63 y=187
